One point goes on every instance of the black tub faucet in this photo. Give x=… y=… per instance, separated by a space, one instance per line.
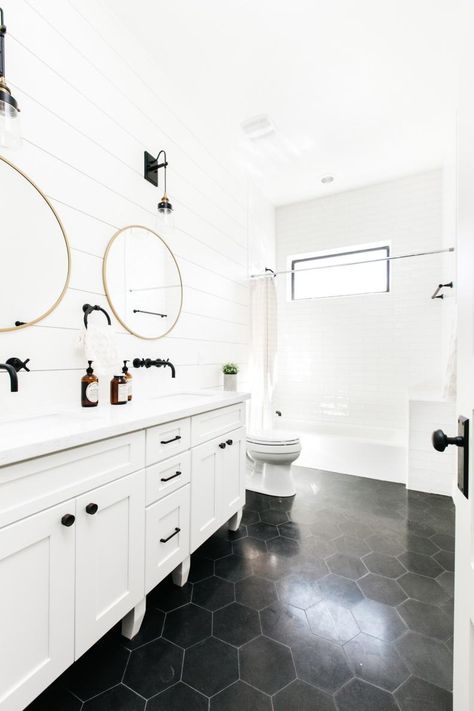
x=13 y=376
x=159 y=363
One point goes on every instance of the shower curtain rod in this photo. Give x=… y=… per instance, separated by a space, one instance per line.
x=270 y=272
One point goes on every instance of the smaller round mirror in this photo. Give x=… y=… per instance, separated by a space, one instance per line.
x=142 y=282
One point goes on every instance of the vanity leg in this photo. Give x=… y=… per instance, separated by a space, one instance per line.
x=234 y=522
x=181 y=573
x=132 y=622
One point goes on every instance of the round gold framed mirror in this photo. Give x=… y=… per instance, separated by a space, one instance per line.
x=36 y=257
x=142 y=282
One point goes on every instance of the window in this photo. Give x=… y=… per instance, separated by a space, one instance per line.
x=340 y=273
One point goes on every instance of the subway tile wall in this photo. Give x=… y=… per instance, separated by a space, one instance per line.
x=357 y=360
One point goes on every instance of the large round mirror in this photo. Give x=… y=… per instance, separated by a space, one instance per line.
x=142 y=282
x=35 y=255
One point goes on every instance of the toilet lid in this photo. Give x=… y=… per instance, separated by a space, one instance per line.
x=273 y=437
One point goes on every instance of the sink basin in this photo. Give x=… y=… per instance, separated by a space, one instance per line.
x=182 y=399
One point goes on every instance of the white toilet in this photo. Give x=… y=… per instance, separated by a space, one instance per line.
x=271 y=454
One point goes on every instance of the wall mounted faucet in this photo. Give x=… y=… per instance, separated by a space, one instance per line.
x=13 y=376
x=159 y=363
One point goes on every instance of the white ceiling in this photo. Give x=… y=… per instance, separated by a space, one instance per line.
x=362 y=89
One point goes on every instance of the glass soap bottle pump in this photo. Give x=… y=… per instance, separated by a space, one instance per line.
x=89 y=388
x=128 y=377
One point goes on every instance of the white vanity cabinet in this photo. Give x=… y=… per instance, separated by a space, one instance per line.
x=87 y=531
x=217 y=484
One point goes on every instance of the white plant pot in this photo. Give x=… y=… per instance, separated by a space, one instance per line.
x=230 y=382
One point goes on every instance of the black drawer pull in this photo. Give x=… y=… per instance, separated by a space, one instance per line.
x=175 y=533
x=230 y=441
x=222 y=445
x=92 y=509
x=168 y=441
x=68 y=520
x=173 y=476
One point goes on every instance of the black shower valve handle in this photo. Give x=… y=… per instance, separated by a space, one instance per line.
x=19 y=364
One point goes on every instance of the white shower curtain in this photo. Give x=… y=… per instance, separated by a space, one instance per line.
x=263 y=349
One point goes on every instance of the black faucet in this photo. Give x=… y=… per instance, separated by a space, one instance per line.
x=13 y=376
x=159 y=362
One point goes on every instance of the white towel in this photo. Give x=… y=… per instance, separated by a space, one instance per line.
x=99 y=346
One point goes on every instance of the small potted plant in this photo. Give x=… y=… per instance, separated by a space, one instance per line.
x=230 y=371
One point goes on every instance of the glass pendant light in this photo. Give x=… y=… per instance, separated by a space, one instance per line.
x=10 y=131
x=165 y=217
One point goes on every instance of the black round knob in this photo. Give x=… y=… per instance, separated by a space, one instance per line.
x=440 y=441
x=230 y=441
x=92 y=509
x=68 y=520
x=222 y=445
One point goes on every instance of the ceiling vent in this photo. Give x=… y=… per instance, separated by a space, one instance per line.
x=258 y=127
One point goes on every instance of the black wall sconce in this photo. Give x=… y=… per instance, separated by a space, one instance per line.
x=152 y=166
x=10 y=134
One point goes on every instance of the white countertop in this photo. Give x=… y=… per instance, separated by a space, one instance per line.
x=34 y=436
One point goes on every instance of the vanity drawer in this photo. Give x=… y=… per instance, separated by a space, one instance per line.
x=165 y=477
x=216 y=422
x=166 y=440
x=36 y=484
x=167 y=535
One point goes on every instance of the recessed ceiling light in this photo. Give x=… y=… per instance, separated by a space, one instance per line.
x=258 y=127
x=327 y=179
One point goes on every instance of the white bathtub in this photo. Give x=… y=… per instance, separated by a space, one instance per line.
x=375 y=453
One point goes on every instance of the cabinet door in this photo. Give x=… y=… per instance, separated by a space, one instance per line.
x=110 y=556
x=167 y=536
x=205 y=504
x=37 y=604
x=231 y=482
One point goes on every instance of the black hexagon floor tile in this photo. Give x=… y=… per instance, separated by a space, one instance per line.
x=378 y=620
x=381 y=589
x=321 y=663
x=298 y=531
x=427 y=658
x=444 y=541
x=153 y=667
x=210 y=666
x=376 y=662
x=267 y=665
x=445 y=559
x=187 y=625
x=421 y=564
x=213 y=593
x=284 y=546
x=426 y=619
x=98 y=669
x=201 y=568
x=55 y=697
x=263 y=531
x=284 y=623
x=424 y=589
x=179 y=697
x=300 y=696
x=274 y=567
x=317 y=547
x=240 y=696
x=250 y=516
x=341 y=590
x=346 y=565
x=255 y=592
x=167 y=596
x=249 y=548
x=416 y=694
x=236 y=624
x=349 y=545
x=152 y=627
x=120 y=697
x=389 y=545
x=419 y=544
x=382 y=564
x=274 y=516
x=332 y=621
x=299 y=590
x=233 y=568
x=361 y=696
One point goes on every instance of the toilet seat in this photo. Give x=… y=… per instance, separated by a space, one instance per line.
x=277 y=438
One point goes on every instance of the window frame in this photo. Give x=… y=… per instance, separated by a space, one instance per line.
x=311 y=257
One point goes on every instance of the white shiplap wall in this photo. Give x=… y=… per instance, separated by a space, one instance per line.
x=92 y=101
x=357 y=360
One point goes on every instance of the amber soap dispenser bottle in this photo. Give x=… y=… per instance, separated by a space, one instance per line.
x=89 y=388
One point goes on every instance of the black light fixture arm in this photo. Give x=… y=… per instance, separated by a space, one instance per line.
x=153 y=165
x=3 y=31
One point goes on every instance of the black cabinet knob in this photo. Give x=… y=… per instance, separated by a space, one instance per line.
x=92 y=509
x=441 y=441
x=222 y=445
x=68 y=520
x=230 y=441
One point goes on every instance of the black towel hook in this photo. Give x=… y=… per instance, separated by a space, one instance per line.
x=88 y=309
